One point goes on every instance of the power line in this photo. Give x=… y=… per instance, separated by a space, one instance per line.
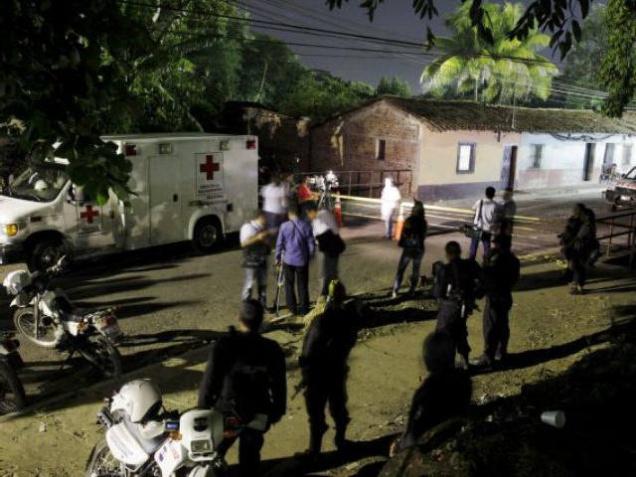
x=281 y=26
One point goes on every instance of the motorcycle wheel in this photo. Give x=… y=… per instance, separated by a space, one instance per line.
x=44 y=336
x=12 y=396
x=100 y=352
x=101 y=463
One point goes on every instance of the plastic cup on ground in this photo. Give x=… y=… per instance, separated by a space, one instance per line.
x=553 y=418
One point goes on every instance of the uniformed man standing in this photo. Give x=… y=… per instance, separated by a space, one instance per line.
x=323 y=362
x=245 y=380
x=455 y=288
x=500 y=274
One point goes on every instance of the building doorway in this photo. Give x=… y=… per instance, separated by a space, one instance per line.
x=509 y=167
x=588 y=165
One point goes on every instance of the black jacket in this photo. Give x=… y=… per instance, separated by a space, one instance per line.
x=500 y=274
x=245 y=376
x=457 y=280
x=328 y=343
x=413 y=235
x=440 y=397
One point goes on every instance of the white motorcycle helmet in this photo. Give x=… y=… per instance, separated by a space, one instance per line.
x=16 y=281
x=139 y=399
x=41 y=185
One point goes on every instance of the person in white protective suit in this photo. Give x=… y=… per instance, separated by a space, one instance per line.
x=390 y=201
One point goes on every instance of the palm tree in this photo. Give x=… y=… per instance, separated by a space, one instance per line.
x=503 y=71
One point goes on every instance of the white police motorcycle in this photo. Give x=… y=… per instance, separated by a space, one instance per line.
x=48 y=319
x=142 y=440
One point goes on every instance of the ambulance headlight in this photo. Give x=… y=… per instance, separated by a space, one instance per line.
x=10 y=230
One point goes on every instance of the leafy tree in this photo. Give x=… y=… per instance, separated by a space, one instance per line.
x=393 y=86
x=320 y=95
x=469 y=64
x=556 y=17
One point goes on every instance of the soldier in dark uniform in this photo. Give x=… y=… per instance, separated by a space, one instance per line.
x=245 y=379
x=500 y=274
x=455 y=288
x=323 y=362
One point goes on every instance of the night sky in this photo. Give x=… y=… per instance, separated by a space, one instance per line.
x=394 y=19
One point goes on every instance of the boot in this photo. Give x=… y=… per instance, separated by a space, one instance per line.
x=315 y=441
x=340 y=440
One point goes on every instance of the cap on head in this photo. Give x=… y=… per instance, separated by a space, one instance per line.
x=251 y=314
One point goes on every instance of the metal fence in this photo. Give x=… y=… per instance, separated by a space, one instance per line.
x=369 y=183
x=620 y=225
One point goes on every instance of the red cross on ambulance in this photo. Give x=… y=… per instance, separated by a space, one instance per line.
x=209 y=167
x=89 y=214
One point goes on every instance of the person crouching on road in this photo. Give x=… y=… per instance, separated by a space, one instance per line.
x=245 y=379
x=330 y=244
x=323 y=362
x=255 y=242
x=412 y=243
x=295 y=247
x=455 y=288
x=500 y=274
x=443 y=395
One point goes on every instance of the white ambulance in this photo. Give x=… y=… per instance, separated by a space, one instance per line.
x=187 y=186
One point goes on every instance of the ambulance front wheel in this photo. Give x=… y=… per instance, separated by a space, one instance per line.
x=46 y=253
x=207 y=235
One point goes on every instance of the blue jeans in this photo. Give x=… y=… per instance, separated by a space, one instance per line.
x=407 y=257
x=474 y=245
x=255 y=278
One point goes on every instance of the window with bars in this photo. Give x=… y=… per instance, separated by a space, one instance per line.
x=465 y=158
x=536 y=156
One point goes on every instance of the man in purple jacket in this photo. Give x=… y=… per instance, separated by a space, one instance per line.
x=294 y=248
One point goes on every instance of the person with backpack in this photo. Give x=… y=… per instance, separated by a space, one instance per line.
x=245 y=379
x=579 y=246
x=323 y=362
x=330 y=243
x=500 y=274
x=295 y=247
x=486 y=213
x=412 y=244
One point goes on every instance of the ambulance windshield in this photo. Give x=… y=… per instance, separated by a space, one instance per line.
x=631 y=175
x=40 y=184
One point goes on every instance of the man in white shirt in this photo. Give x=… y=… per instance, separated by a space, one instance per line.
x=275 y=204
x=390 y=201
x=255 y=242
x=486 y=214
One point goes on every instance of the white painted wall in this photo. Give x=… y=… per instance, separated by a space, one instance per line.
x=563 y=161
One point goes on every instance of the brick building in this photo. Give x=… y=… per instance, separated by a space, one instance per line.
x=452 y=149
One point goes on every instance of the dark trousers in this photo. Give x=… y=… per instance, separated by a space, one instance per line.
x=496 y=325
x=406 y=258
x=474 y=244
x=578 y=268
x=320 y=393
x=297 y=278
x=329 y=271
x=250 y=444
x=452 y=321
